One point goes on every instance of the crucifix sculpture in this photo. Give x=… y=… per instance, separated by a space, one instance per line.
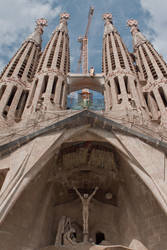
x=86 y=198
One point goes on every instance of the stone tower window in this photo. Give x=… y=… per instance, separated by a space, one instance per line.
x=9 y=102
x=2 y=90
x=99 y=237
x=164 y=99
x=127 y=84
x=54 y=85
x=117 y=85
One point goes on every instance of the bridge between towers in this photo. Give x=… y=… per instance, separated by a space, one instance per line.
x=81 y=81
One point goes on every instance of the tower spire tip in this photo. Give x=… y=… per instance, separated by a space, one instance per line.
x=107 y=17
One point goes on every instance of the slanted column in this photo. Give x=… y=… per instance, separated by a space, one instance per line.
x=108 y=97
x=12 y=109
x=57 y=51
x=38 y=93
x=5 y=97
x=49 y=88
x=64 y=96
x=118 y=66
x=58 y=93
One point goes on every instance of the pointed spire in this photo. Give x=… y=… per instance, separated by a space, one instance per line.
x=108 y=26
x=36 y=35
x=63 y=22
x=138 y=37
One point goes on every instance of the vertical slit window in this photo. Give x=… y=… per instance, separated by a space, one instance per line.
x=53 y=88
x=2 y=90
x=118 y=90
x=117 y=85
x=145 y=94
x=127 y=84
x=161 y=91
x=45 y=83
x=9 y=102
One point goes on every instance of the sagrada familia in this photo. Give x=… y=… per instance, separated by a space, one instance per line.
x=83 y=179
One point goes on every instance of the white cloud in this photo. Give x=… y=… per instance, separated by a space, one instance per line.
x=17 y=20
x=158 y=23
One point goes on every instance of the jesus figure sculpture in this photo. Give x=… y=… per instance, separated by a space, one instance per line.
x=85 y=208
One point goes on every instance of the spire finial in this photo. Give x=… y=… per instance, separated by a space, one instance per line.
x=133 y=24
x=107 y=17
x=36 y=35
x=63 y=22
x=138 y=37
x=41 y=23
x=64 y=16
x=109 y=27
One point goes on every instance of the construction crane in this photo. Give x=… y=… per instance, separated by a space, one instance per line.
x=84 y=45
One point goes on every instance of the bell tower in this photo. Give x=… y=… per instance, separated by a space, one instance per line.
x=122 y=89
x=152 y=72
x=49 y=88
x=17 y=76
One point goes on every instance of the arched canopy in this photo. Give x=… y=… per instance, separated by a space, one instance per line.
x=88 y=138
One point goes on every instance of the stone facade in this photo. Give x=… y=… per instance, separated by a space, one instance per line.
x=118 y=155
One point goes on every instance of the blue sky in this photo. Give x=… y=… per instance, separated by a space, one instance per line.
x=17 y=22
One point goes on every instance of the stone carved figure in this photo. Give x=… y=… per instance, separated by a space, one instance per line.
x=69 y=237
x=65 y=232
x=85 y=207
